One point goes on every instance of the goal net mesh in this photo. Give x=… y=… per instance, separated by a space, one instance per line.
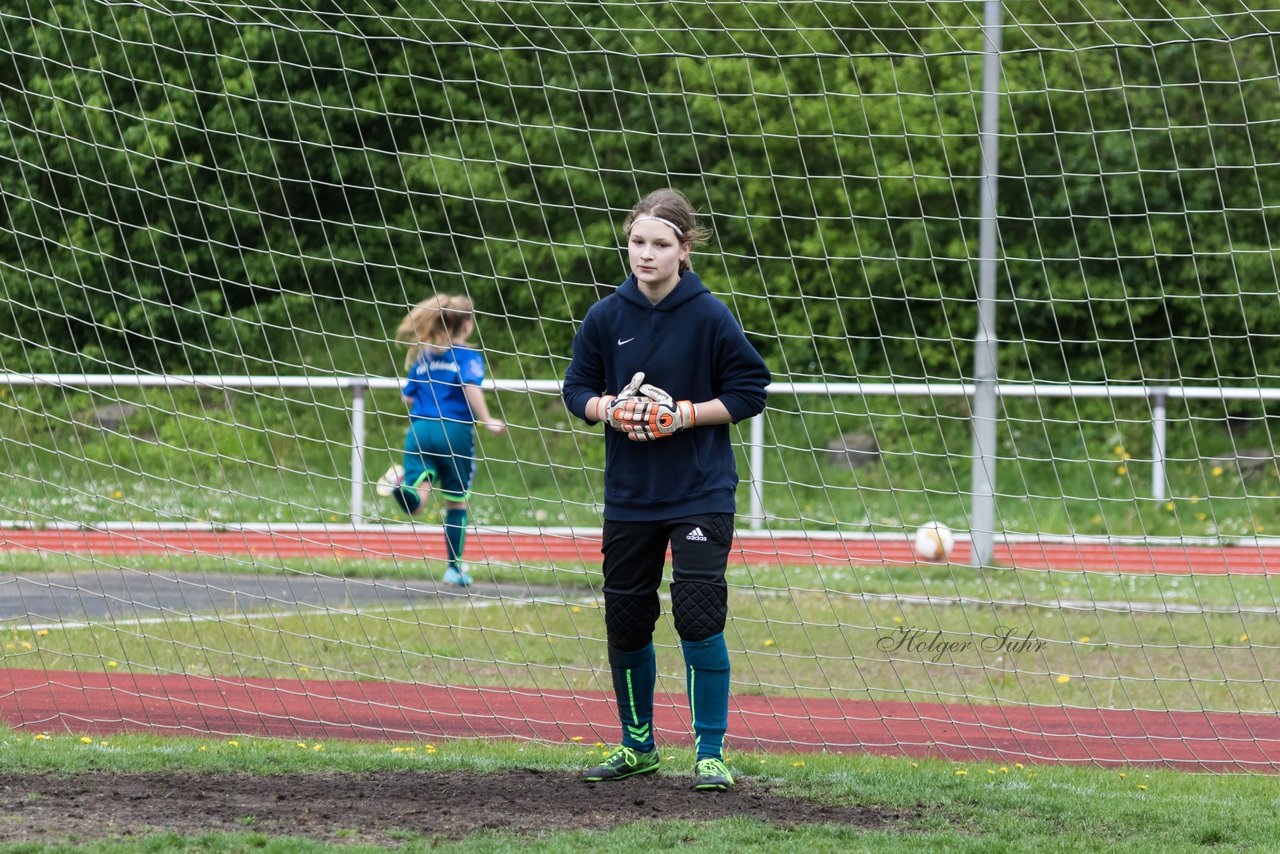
x=214 y=215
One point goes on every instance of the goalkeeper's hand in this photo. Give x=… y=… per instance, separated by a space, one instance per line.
x=655 y=415
x=608 y=406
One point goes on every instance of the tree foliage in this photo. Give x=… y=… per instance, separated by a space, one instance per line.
x=250 y=191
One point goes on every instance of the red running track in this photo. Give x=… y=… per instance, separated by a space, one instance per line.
x=81 y=702
x=551 y=547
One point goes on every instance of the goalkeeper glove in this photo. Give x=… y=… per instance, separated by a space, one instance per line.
x=607 y=406
x=656 y=415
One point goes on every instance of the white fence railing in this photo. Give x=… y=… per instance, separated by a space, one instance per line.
x=1159 y=396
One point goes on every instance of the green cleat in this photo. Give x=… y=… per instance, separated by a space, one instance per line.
x=622 y=763
x=711 y=776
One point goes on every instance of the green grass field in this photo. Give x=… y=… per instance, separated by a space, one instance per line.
x=1097 y=640
x=1101 y=640
x=949 y=806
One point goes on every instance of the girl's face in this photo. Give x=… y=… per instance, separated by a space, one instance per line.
x=655 y=252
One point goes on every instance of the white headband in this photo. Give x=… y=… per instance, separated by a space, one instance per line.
x=665 y=222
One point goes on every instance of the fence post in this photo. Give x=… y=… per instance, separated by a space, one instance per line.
x=1159 y=418
x=357 y=453
x=757 y=472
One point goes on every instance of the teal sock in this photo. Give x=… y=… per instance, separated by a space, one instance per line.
x=707 y=667
x=634 y=675
x=455 y=535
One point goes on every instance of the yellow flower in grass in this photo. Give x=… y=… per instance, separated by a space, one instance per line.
x=1168 y=505
x=599 y=744
x=41 y=632
x=799 y=764
x=203 y=748
x=40 y=736
x=301 y=745
x=1019 y=765
x=1217 y=471
x=233 y=743
x=962 y=773
x=576 y=738
x=769 y=641
x=1243 y=638
x=1064 y=679
x=84 y=739
x=317 y=747
x=1141 y=787
x=1004 y=769
x=1122 y=470
x=1122 y=775
x=1084 y=639
x=113 y=664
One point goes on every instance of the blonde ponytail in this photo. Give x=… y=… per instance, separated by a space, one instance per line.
x=432 y=325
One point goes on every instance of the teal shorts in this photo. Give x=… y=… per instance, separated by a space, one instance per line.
x=443 y=452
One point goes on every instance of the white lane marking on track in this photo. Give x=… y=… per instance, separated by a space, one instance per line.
x=472 y=601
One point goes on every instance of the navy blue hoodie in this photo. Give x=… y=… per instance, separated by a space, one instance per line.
x=691 y=346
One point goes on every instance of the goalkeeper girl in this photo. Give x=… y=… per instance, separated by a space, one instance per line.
x=669 y=473
x=445 y=402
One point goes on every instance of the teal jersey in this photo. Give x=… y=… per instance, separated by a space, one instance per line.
x=435 y=383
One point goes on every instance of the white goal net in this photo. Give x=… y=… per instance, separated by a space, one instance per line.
x=213 y=217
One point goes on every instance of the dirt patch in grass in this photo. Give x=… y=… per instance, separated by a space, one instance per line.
x=382 y=806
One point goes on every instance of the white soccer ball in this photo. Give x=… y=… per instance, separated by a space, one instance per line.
x=934 y=541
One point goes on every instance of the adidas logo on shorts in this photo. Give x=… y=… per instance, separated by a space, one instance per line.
x=696 y=535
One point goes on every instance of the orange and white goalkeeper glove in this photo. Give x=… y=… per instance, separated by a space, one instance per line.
x=655 y=415
x=608 y=405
